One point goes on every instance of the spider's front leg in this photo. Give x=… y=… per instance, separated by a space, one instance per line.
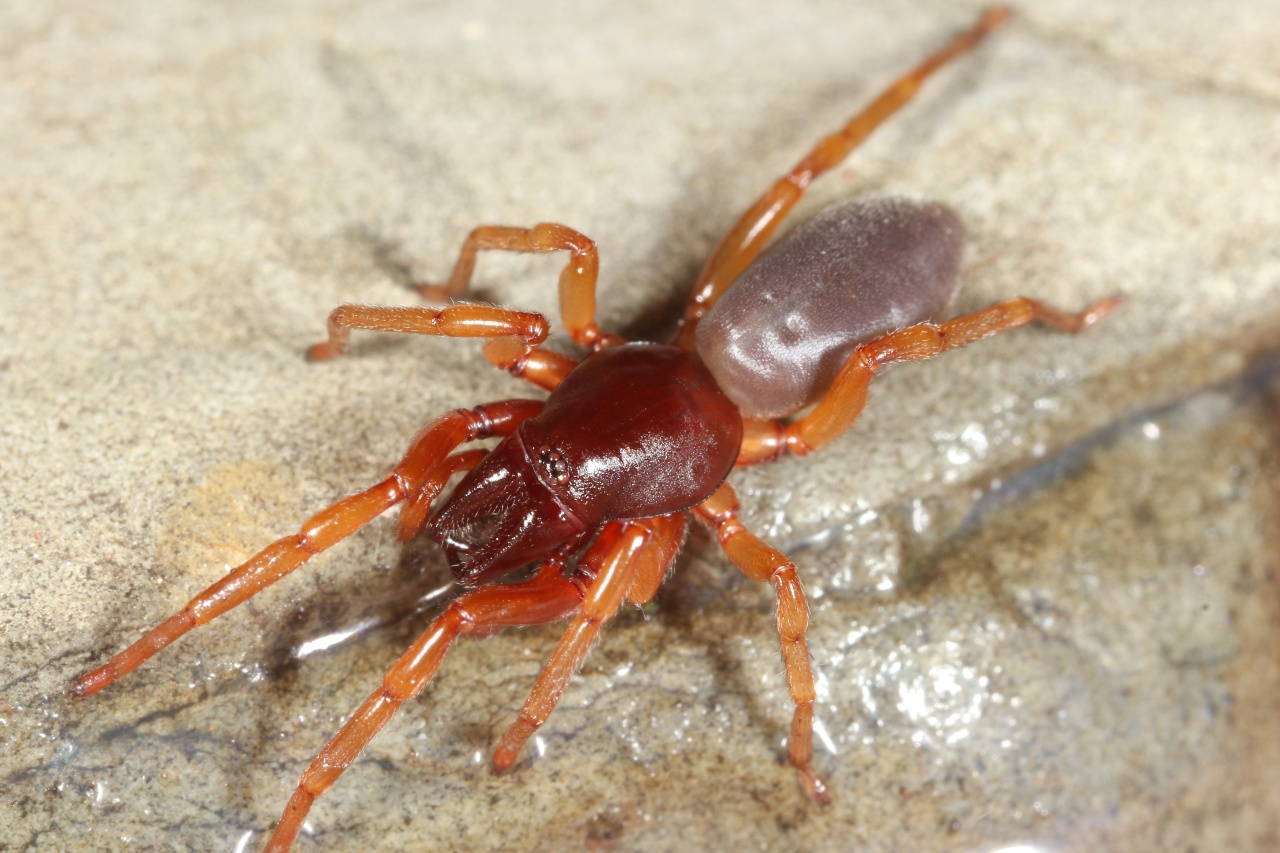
x=418 y=472
x=625 y=559
x=547 y=597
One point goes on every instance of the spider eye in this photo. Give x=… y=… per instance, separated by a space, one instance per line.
x=553 y=465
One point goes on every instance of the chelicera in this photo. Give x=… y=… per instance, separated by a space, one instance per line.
x=595 y=484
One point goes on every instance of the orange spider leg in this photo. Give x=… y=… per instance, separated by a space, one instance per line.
x=538 y=366
x=760 y=562
x=655 y=561
x=577 y=280
x=765 y=440
x=321 y=531
x=547 y=597
x=512 y=345
x=747 y=237
x=455 y=321
x=626 y=541
x=413 y=515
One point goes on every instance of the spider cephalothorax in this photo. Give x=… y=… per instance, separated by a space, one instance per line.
x=666 y=439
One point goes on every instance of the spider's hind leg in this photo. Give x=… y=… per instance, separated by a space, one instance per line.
x=766 y=439
x=745 y=240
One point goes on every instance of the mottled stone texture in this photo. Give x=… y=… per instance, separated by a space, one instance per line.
x=1042 y=570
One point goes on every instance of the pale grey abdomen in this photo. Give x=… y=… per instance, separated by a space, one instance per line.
x=858 y=270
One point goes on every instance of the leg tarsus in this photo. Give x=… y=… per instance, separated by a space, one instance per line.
x=1073 y=323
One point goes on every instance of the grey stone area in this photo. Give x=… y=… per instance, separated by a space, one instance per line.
x=1042 y=569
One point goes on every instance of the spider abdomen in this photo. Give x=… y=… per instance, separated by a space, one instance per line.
x=856 y=271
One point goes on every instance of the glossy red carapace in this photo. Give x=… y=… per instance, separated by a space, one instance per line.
x=664 y=441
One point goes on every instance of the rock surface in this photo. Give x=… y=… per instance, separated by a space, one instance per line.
x=1042 y=570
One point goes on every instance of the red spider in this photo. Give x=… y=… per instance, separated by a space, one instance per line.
x=595 y=481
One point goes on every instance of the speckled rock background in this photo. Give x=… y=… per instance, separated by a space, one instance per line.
x=1042 y=570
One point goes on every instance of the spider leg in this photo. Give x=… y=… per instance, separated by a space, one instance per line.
x=413 y=515
x=577 y=280
x=766 y=439
x=760 y=562
x=426 y=454
x=622 y=545
x=512 y=342
x=547 y=597
x=738 y=248
x=654 y=562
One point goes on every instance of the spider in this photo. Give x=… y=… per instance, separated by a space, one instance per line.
x=595 y=484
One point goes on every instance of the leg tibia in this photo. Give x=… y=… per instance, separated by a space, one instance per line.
x=483 y=237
